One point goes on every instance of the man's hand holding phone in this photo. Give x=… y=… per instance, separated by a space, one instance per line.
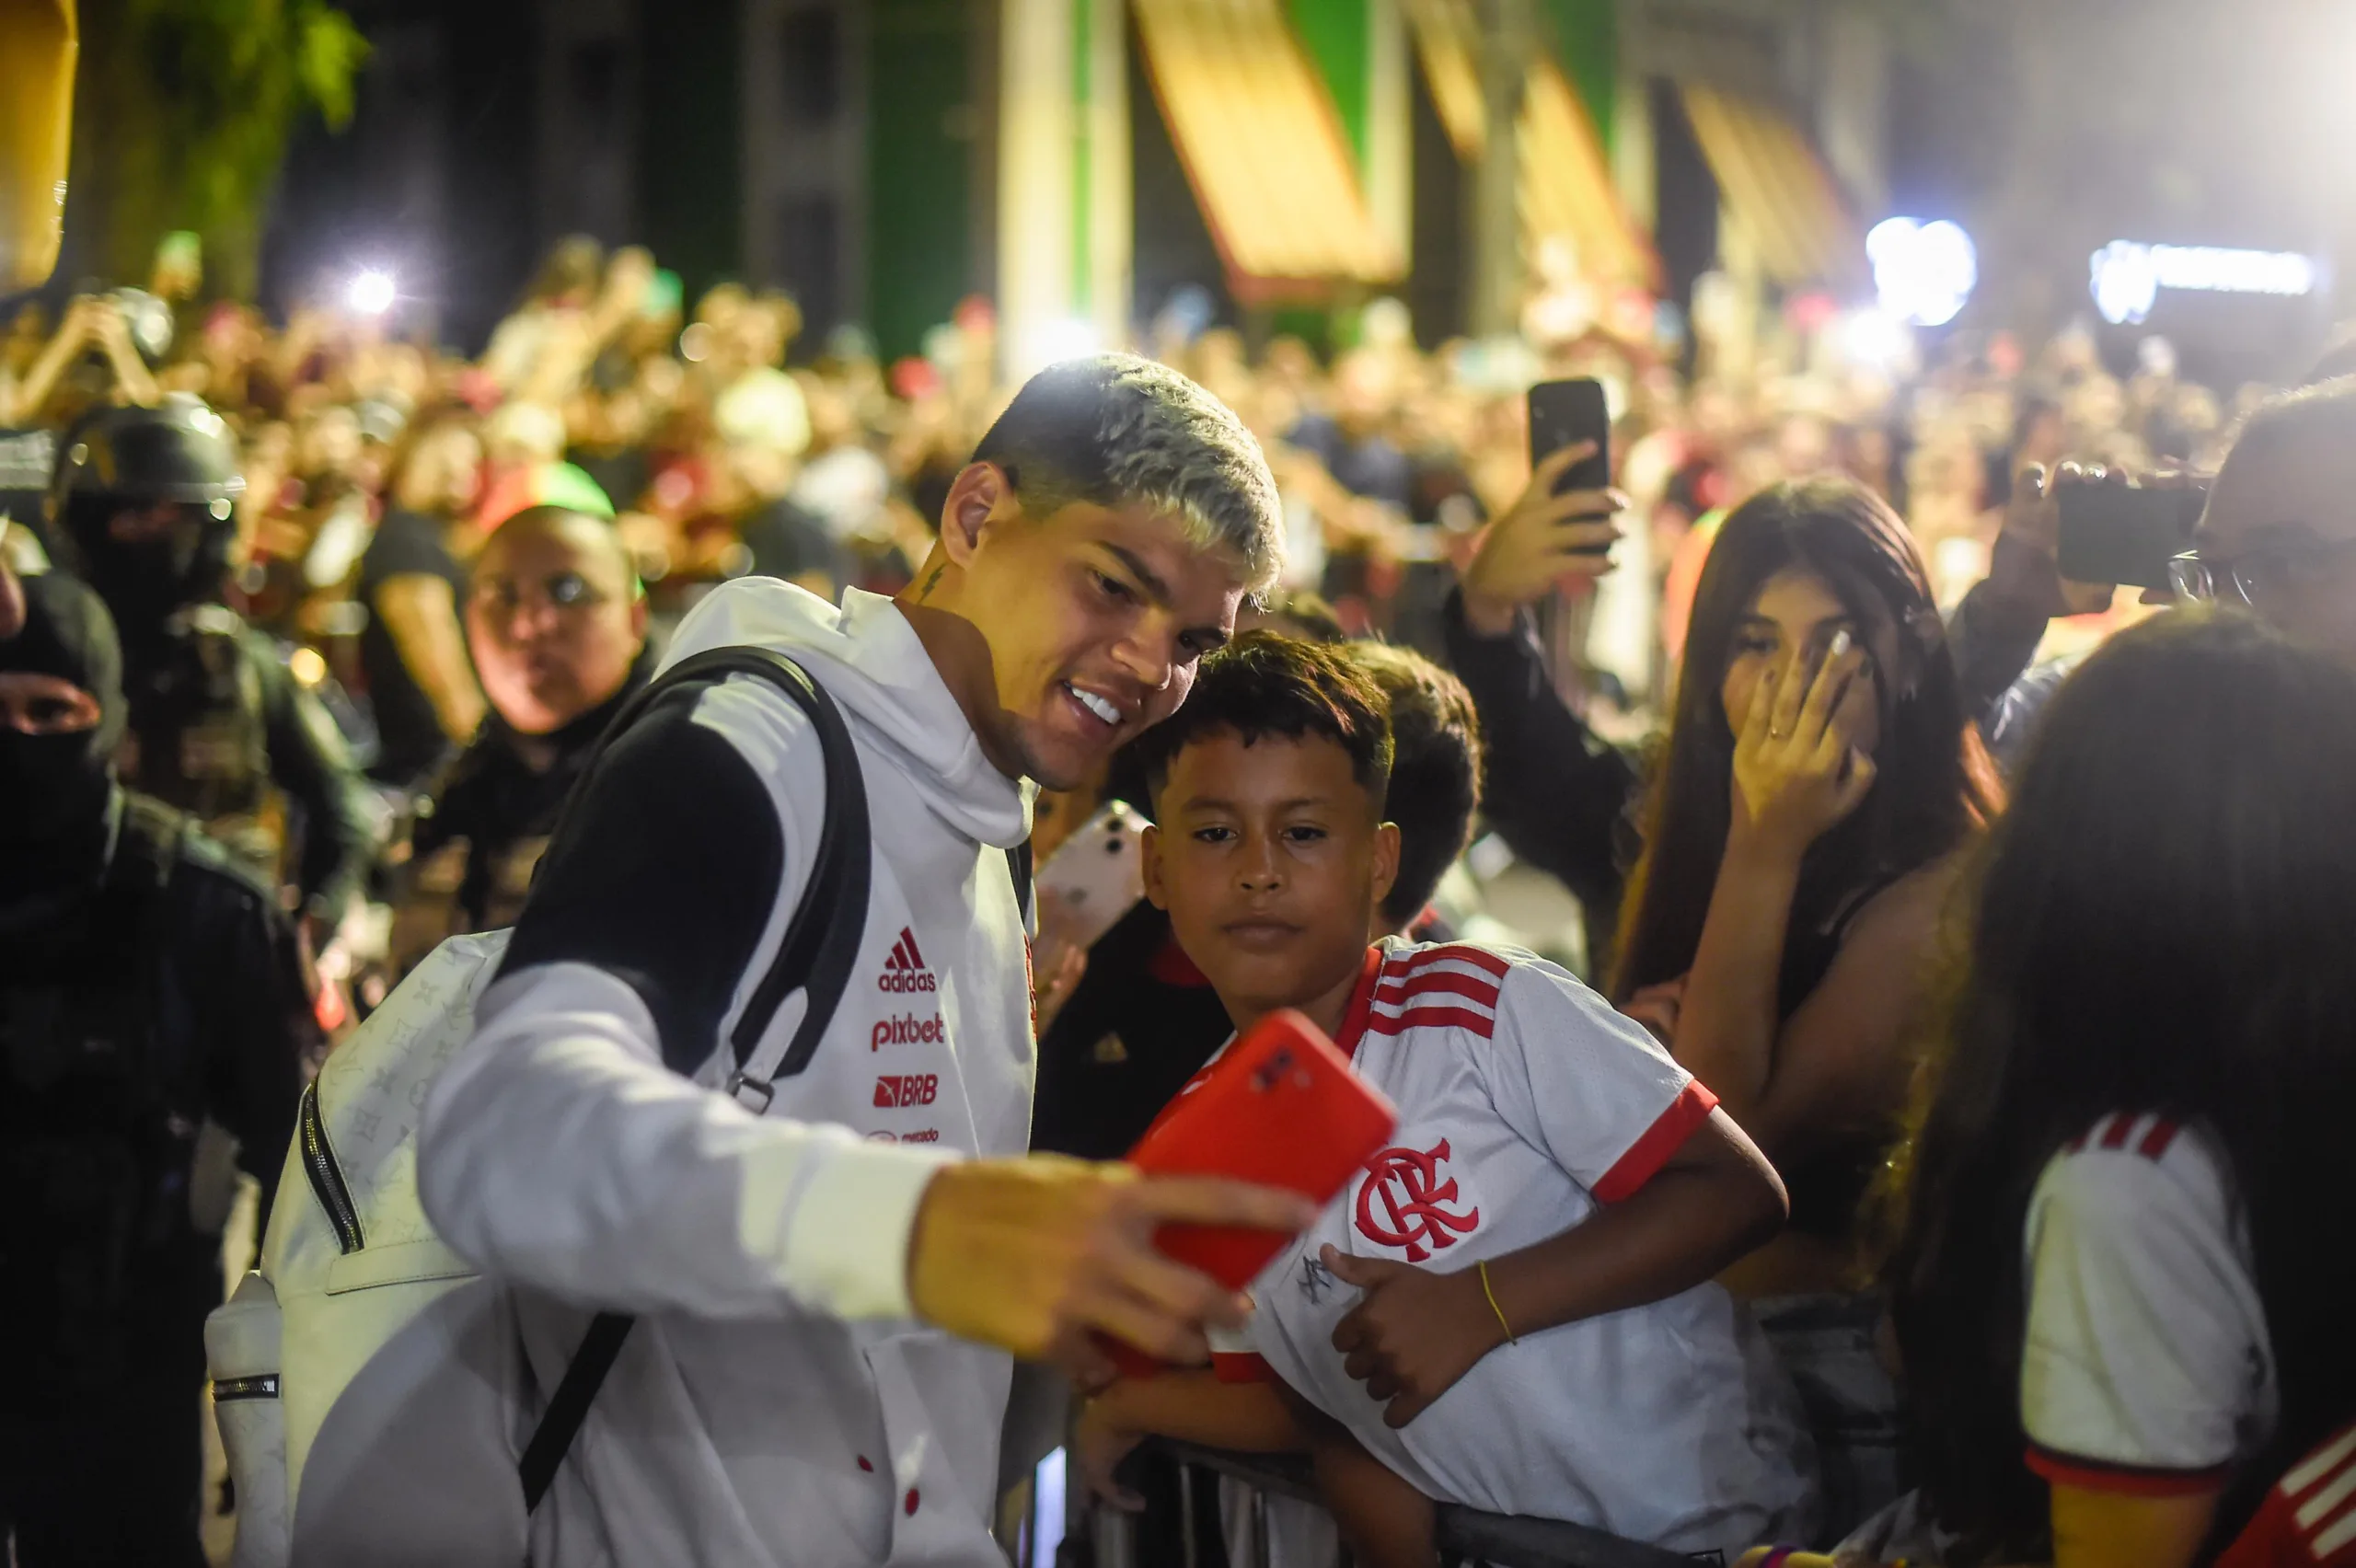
x=2065 y=546
x=2029 y=542
x=1541 y=539
x=1038 y=1255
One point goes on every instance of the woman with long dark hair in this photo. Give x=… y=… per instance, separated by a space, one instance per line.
x=2138 y=1130
x=1820 y=776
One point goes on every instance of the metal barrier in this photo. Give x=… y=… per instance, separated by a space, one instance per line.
x=1463 y=1535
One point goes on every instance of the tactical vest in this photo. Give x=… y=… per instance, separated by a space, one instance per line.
x=199 y=739
x=94 y=1162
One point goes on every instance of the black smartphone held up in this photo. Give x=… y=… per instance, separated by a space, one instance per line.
x=2113 y=533
x=1563 y=413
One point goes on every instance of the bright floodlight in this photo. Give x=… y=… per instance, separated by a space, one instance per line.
x=1874 y=338
x=372 y=293
x=1922 y=272
x=1069 y=338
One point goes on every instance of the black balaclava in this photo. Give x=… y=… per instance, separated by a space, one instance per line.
x=55 y=790
x=147 y=581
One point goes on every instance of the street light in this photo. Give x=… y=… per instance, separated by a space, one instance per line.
x=372 y=292
x=1924 y=272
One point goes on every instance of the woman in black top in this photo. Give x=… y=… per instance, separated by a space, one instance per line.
x=1801 y=840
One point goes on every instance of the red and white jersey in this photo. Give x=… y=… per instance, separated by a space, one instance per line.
x=2146 y=1367
x=1525 y=1102
x=2309 y=1519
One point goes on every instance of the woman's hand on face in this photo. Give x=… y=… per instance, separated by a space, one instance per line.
x=1541 y=539
x=1795 y=773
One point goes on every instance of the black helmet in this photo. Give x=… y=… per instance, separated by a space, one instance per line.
x=179 y=450
x=177 y=453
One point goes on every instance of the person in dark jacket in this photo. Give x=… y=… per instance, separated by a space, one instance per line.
x=556 y=620
x=215 y=722
x=150 y=992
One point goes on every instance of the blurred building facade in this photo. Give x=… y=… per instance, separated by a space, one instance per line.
x=1081 y=160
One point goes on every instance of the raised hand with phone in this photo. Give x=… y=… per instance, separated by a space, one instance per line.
x=2075 y=533
x=1040 y=1256
x=1560 y=526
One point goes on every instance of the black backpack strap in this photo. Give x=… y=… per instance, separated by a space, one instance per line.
x=821 y=944
x=569 y=1406
x=1018 y=865
x=816 y=956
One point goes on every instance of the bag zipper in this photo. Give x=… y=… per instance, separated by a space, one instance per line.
x=326 y=1180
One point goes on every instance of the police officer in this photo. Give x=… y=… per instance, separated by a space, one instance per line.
x=147 y=987
x=143 y=503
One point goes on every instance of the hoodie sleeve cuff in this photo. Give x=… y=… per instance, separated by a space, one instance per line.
x=839 y=1225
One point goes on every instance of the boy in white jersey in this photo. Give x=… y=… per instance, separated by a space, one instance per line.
x=1510 y=1308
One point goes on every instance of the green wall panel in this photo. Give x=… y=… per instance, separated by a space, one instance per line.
x=1335 y=32
x=920 y=167
x=1587 y=39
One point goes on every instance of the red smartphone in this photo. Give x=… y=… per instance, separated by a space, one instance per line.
x=1283 y=1108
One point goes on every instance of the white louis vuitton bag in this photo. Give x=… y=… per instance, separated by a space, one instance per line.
x=370 y=1386
x=355 y=1293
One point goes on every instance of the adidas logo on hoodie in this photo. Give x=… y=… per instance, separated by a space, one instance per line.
x=905 y=970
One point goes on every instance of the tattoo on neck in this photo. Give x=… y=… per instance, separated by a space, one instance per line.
x=930 y=584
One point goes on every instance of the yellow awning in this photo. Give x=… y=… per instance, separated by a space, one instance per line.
x=1262 y=145
x=1772 y=183
x=1444 y=33
x=1566 y=183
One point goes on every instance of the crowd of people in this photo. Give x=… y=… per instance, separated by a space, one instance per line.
x=1924 y=1157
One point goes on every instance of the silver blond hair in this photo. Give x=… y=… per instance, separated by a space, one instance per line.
x=1116 y=429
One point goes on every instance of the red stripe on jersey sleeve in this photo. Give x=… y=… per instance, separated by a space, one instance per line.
x=2115 y=1135
x=1664 y=1137
x=1426 y=983
x=2122 y=1481
x=1479 y=958
x=2154 y=1144
x=1427 y=1015
x=1240 y=1367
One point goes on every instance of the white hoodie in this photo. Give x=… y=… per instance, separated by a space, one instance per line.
x=775 y=1402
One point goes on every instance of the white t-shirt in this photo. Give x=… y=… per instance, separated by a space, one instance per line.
x=1524 y=1104
x=2146 y=1367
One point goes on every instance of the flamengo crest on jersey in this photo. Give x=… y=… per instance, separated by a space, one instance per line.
x=1403 y=1202
x=1406 y=1199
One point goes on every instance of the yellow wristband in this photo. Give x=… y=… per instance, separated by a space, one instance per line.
x=1490 y=1291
